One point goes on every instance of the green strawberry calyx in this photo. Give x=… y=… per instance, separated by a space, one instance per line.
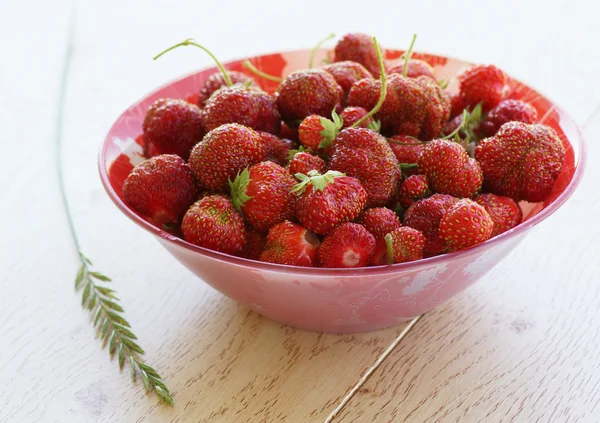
x=331 y=128
x=317 y=180
x=238 y=190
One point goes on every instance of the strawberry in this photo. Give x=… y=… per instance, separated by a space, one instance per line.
x=413 y=106
x=212 y=222
x=364 y=154
x=289 y=243
x=317 y=133
x=407 y=150
x=241 y=103
x=327 y=200
x=379 y=257
x=223 y=153
x=346 y=73
x=303 y=162
x=262 y=194
x=172 y=127
x=521 y=161
x=358 y=48
x=254 y=245
x=379 y=221
x=425 y=215
x=248 y=106
x=288 y=133
x=449 y=169
x=507 y=111
x=482 y=84
x=348 y=245
x=307 y=92
x=412 y=189
x=351 y=115
x=505 y=213
x=404 y=244
x=465 y=224
x=161 y=189
x=216 y=81
x=193 y=98
x=456 y=105
x=414 y=68
x=277 y=150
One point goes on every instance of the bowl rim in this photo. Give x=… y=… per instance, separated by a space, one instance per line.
x=579 y=166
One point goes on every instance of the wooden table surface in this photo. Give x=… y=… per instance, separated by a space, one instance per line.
x=519 y=346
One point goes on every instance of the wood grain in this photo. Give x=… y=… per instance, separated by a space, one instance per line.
x=520 y=346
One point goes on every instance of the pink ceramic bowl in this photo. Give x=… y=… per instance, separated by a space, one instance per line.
x=337 y=300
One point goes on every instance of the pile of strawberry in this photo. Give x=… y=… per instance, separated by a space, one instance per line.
x=348 y=165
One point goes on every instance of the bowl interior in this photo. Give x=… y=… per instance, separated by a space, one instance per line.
x=122 y=148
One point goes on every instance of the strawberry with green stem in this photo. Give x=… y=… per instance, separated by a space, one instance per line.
x=366 y=155
x=262 y=195
x=244 y=104
x=327 y=200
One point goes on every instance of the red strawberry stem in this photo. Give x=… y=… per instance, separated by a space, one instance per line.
x=248 y=65
x=383 y=92
x=319 y=182
x=316 y=48
x=407 y=55
x=191 y=42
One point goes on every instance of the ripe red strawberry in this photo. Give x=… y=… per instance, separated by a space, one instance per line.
x=248 y=106
x=507 y=111
x=288 y=133
x=505 y=213
x=380 y=255
x=216 y=81
x=161 y=189
x=449 y=169
x=193 y=98
x=482 y=84
x=425 y=215
x=348 y=245
x=172 y=127
x=328 y=200
x=254 y=245
x=456 y=105
x=465 y=224
x=351 y=115
x=414 y=68
x=521 y=161
x=412 y=189
x=289 y=243
x=212 y=222
x=276 y=149
x=307 y=92
x=406 y=150
x=379 y=221
x=413 y=106
x=303 y=162
x=364 y=154
x=358 y=48
x=404 y=244
x=346 y=73
x=223 y=153
x=317 y=133
x=262 y=194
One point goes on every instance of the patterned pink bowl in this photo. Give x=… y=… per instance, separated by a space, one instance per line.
x=342 y=300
